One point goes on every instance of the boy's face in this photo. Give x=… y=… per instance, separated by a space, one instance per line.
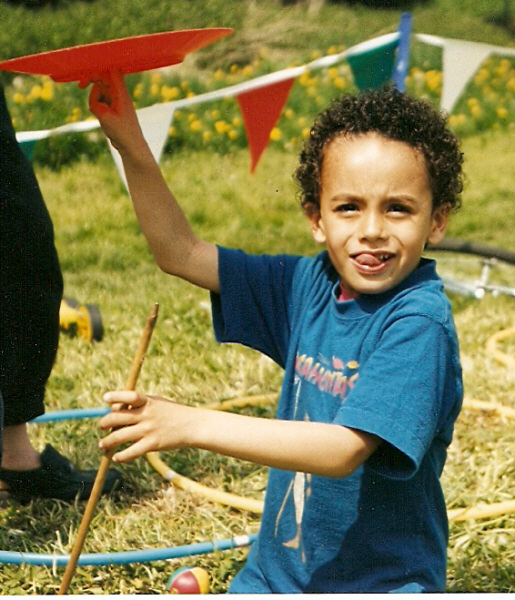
x=376 y=211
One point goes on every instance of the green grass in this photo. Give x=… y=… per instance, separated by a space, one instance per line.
x=105 y=261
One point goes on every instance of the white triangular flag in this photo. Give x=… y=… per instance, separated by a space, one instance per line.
x=155 y=122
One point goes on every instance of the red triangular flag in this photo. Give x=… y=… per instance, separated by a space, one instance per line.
x=260 y=109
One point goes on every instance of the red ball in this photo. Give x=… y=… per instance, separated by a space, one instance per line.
x=188 y=580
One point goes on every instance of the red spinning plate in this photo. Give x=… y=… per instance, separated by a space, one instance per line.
x=128 y=55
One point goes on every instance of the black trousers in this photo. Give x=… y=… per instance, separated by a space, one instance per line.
x=31 y=283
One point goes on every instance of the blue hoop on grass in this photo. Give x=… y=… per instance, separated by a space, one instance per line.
x=115 y=558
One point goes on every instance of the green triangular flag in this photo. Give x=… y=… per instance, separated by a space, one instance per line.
x=373 y=68
x=28 y=148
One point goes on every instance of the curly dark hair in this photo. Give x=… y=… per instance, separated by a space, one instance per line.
x=395 y=116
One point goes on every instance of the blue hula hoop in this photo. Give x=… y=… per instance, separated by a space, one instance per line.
x=122 y=558
x=115 y=558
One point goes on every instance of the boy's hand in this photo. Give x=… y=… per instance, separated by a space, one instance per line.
x=149 y=422
x=111 y=103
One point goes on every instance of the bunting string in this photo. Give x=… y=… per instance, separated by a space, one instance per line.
x=262 y=99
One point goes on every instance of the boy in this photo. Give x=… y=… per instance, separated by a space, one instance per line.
x=372 y=382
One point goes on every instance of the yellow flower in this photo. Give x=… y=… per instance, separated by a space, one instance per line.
x=18 y=98
x=195 y=125
x=156 y=78
x=234 y=68
x=172 y=131
x=169 y=93
x=35 y=92
x=232 y=134
x=340 y=83
x=289 y=114
x=138 y=90
x=481 y=76
x=47 y=91
x=154 y=89
x=417 y=75
x=433 y=80
x=236 y=121
x=476 y=110
x=247 y=70
x=302 y=121
x=458 y=119
x=502 y=113
x=503 y=68
x=215 y=114
x=219 y=75
x=306 y=80
x=333 y=72
x=305 y=132
x=275 y=134
x=221 y=126
x=206 y=136
x=190 y=94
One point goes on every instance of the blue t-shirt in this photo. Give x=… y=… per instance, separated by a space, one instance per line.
x=386 y=364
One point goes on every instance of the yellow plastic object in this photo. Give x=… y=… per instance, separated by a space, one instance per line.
x=83 y=320
x=255 y=506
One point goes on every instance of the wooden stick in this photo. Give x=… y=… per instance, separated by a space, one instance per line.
x=106 y=458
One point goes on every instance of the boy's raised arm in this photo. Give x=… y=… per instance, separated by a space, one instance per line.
x=175 y=248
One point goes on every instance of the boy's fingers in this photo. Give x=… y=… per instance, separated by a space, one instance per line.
x=138 y=448
x=114 y=420
x=125 y=397
x=134 y=451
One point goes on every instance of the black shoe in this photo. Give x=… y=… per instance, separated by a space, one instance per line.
x=56 y=478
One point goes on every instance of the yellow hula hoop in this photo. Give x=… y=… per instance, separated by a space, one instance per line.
x=482 y=512
x=188 y=485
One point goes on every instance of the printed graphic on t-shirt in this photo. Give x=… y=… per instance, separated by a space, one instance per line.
x=334 y=377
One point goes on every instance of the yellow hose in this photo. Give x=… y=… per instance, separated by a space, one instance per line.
x=186 y=484
x=482 y=512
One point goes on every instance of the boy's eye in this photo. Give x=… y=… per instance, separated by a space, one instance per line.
x=346 y=207
x=399 y=208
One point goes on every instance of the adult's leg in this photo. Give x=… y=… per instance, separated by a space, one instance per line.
x=31 y=289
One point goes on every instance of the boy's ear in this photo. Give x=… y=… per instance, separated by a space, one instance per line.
x=439 y=222
x=314 y=217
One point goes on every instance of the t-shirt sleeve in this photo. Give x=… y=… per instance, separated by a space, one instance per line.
x=404 y=394
x=254 y=305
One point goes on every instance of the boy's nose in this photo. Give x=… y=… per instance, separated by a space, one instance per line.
x=372 y=226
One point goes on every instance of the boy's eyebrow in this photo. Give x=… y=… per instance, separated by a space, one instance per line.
x=350 y=196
